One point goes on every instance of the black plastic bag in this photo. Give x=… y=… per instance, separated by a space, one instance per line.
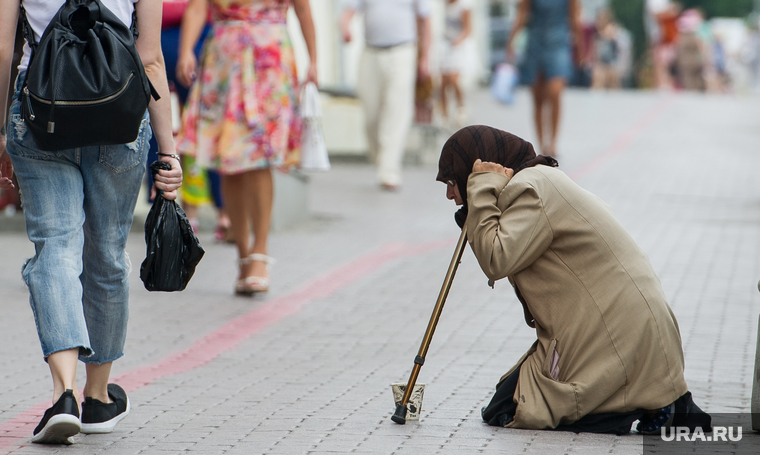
x=173 y=250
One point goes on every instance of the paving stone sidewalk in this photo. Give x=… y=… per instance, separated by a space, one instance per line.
x=307 y=369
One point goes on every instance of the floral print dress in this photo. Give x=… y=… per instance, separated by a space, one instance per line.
x=242 y=111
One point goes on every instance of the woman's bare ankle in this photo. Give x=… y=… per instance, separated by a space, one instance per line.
x=100 y=395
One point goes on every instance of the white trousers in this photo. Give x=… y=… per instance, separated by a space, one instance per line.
x=386 y=89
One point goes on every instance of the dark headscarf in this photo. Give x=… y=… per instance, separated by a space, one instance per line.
x=488 y=144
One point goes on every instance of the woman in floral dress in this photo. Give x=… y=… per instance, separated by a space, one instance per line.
x=241 y=116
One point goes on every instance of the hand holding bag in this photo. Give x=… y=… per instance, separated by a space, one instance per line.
x=313 y=149
x=173 y=250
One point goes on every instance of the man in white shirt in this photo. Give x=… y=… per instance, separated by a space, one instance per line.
x=397 y=38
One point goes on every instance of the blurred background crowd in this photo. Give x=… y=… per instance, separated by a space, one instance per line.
x=707 y=45
x=710 y=46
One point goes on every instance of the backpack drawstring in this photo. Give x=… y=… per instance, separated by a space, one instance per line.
x=54 y=82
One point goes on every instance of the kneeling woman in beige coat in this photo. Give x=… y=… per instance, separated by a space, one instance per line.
x=608 y=351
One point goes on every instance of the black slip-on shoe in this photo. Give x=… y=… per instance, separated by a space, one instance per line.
x=59 y=422
x=99 y=417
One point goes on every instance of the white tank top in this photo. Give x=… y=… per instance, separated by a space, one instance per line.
x=40 y=12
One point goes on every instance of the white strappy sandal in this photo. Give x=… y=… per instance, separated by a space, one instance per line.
x=253 y=284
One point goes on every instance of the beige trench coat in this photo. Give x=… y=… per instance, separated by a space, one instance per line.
x=589 y=291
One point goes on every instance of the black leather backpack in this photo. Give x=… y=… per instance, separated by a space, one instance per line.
x=85 y=84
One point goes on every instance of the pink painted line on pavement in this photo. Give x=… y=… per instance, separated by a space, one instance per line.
x=229 y=335
x=624 y=140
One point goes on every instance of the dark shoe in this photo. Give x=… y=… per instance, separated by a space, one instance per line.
x=689 y=415
x=99 y=417
x=681 y=413
x=59 y=422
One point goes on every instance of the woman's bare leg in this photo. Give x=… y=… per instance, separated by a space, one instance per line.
x=539 y=96
x=461 y=119
x=445 y=83
x=234 y=192
x=191 y=210
x=63 y=368
x=248 y=200
x=97 y=381
x=261 y=200
x=457 y=89
x=555 y=87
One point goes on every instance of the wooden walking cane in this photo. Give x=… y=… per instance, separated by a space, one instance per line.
x=400 y=415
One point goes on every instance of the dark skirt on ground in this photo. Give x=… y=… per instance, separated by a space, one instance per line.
x=501 y=411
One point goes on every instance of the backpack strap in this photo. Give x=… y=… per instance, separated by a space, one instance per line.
x=27 y=30
x=133 y=27
x=153 y=91
x=28 y=33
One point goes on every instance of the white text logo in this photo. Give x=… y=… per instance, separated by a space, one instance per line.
x=718 y=434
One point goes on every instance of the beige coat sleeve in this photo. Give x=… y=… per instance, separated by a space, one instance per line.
x=506 y=224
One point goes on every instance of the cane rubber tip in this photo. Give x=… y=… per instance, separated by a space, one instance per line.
x=400 y=415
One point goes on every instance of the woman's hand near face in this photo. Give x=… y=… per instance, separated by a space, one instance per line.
x=487 y=166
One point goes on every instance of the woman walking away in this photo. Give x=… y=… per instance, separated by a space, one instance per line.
x=78 y=207
x=548 y=59
x=457 y=58
x=242 y=117
x=608 y=350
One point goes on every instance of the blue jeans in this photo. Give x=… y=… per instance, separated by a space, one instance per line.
x=78 y=205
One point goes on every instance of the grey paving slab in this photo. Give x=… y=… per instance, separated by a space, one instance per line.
x=679 y=170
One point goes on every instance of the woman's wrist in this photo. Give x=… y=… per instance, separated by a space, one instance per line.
x=167 y=147
x=185 y=54
x=171 y=155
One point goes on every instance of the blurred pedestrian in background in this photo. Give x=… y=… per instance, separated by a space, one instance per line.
x=78 y=207
x=241 y=116
x=553 y=27
x=397 y=43
x=720 y=61
x=458 y=53
x=691 y=52
x=664 y=32
x=200 y=185
x=752 y=52
x=711 y=47
x=608 y=349
x=605 y=73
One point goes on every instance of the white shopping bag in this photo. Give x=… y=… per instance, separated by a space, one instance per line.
x=504 y=83
x=313 y=149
